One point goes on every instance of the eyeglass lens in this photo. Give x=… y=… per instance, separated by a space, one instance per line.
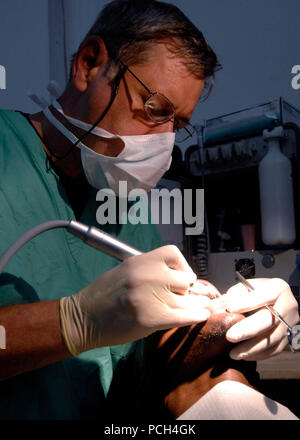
x=159 y=109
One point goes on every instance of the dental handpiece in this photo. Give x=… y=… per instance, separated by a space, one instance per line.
x=89 y=234
x=102 y=241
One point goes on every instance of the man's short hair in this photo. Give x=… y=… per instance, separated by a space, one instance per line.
x=130 y=28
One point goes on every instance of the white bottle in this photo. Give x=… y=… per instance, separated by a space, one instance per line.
x=276 y=193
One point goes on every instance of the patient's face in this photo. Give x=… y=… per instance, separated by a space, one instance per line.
x=195 y=348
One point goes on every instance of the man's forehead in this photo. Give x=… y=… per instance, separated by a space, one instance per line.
x=168 y=73
x=161 y=61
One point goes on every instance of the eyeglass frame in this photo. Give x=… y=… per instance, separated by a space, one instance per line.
x=167 y=100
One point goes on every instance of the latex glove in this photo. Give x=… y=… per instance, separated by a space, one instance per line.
x=132 y=301
x=264 y=336
x=205 y=288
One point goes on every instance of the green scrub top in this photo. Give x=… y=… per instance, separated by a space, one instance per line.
x=51 y=266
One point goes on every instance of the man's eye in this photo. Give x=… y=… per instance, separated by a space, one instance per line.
x=159 y=108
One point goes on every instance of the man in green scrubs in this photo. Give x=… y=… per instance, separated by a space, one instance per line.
x=60 y=354
x=42 y=179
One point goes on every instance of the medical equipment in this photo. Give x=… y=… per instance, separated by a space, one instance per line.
x=235 y=147
x=228 y=156
x=142 y=162
x=276 y=193
x=90 y=235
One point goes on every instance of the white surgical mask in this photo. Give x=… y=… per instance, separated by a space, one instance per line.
x=142 y=162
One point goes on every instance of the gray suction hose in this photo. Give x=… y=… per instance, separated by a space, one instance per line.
x=90 y=235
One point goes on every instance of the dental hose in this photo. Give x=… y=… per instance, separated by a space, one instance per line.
x=89 y=234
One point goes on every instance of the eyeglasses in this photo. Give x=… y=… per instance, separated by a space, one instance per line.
x=160 y=110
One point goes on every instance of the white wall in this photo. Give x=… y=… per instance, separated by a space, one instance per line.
x=23 y=51
x=257 y=42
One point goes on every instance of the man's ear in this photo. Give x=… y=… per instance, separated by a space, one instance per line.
x=91 y=57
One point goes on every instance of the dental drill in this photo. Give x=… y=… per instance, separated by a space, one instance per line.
x=89 y=234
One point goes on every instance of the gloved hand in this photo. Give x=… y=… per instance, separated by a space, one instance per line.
x=205 y=289
x=264 y=336
x=143 y=294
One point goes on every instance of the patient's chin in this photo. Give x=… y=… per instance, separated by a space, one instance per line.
x=192 y=350
x=208 y=340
